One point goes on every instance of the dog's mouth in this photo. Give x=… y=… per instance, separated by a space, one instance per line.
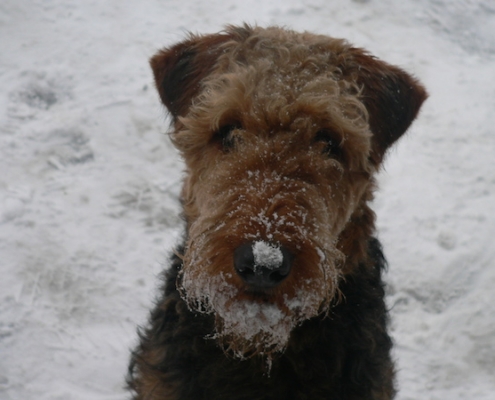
x=260 y=295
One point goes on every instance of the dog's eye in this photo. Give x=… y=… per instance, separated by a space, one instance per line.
x=331 y=144
x=225 y=135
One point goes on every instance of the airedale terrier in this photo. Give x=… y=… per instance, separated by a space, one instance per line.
x=276 y=292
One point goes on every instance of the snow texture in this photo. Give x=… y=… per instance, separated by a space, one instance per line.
x=89 y=185
x=267 y=255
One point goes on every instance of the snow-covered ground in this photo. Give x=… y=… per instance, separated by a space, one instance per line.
x=89 y=184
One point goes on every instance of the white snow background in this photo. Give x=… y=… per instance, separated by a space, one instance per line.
x=89 y=185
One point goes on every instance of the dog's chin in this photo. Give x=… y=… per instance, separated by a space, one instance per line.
x=248 y=326
x=246 y=329
x=247 y=323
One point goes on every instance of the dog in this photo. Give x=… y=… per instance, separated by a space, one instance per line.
x=275 y=291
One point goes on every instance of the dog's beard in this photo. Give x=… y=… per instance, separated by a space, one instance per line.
x=249 y=325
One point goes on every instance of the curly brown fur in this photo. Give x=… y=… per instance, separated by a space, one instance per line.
x=281 y=134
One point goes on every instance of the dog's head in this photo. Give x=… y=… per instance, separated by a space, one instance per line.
x=281 y=134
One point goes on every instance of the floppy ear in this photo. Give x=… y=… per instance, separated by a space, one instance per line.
x=391 y=96
x=179 y=69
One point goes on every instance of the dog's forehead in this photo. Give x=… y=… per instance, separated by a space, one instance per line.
x=274 y=69
x=291 y=47
x=275 y=82
x=285 y=54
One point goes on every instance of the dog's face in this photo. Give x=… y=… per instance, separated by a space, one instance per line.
x=281 y=134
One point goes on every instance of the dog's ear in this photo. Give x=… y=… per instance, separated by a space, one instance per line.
x=391 y=96
x=179 y=69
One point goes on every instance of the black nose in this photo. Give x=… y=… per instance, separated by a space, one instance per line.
x=262 y=265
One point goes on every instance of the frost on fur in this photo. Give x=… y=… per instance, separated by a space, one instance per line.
x=267 y=255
